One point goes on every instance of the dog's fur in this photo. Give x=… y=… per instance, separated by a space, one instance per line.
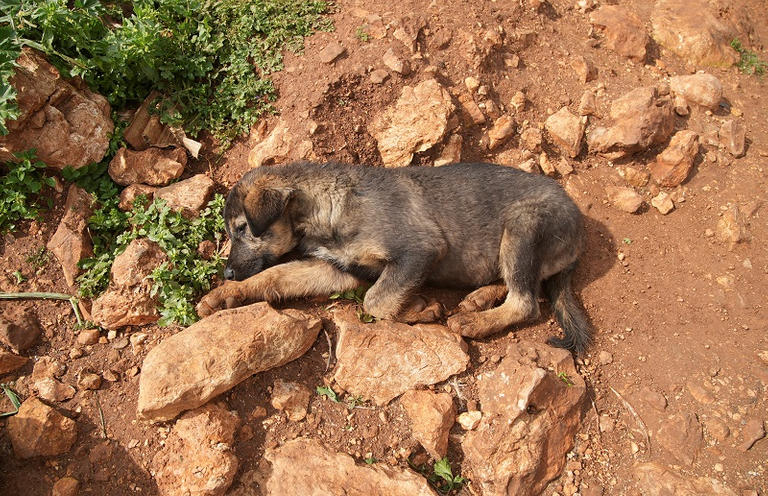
x=462 y=225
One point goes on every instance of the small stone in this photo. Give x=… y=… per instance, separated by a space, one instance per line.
x=88 y=336
x=110 y=376
x=607 y=424
x=624 y=31
x=89 y=380
x=732 y=135
x=732 y=228
x=153 y=166
x=547 y=167
x=702 y=89
x=563 y=166
x=469 y=420
x=588 y=103
x=502 y=129
x=292 y=398
x=189 y=196
x=471 y=83
x=681 y=106
x=663 y=203
x=379 y=76
x=331 y=52
x=566 y=131
x=10 y=362
x=70 y=243
x=717 y=429
x=634 y=176
x=432 y=415
x=625 y=199
x=132 y=192
x=395 y=63
x=531 y=139
x=66 y=486
x=604 y=358
x=39 y=430
x=19 y=329
x=700 y=394
x=673 y=165
x=451 y=152
x=682 y=437
x=470 y=107
x=585 y=70
x=518 y=101
x=752 y=433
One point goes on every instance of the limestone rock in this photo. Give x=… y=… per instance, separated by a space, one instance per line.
x=566 y=131
x=396 y=63
x=476 y=115
x=531 y=403
x=189 y=196
x=470 y=420
x=753 y=431
x=625 y=199
x=198 y=457
x=656 y=480
x=417 y=121
x=681 y=435
x=304 y=466
x=45 y=382
x=70 y=243
x=153 y=166
x=19 y=329
x=733 y=136
x=694 y=32
x=451 y=152
x=130 y=193
x=584 y=68
x=275 y=147
x=732 y=228
x=588 y=103
x=292 y=398
x=624 y=31
x=531 y=139
x=502 y=129
x=673 y=165
x=10 y=362
x=702 y=89
x=432 y=415
x=634 y=176
x=66 y=486
x=189 y=368
x=385 y=359
x=663 y=203
x=39 y=430
x=65 y=122
x=641 y=120
x=128 y=300
x=331 y=52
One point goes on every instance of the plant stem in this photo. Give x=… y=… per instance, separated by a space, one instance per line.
x=46 y=296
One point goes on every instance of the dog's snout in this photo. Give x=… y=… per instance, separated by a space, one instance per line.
x=229 y=274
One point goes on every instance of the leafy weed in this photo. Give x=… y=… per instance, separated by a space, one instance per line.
x=19 y=190
x=749 y=63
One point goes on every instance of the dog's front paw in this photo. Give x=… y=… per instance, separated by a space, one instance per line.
x=469 y=324
x=229 y=295
x=483 y=298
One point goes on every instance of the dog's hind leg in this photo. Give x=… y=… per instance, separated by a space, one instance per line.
x=421 y=310
x=299 y=279
x=520 y=268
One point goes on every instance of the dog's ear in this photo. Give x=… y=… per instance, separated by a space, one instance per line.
x=263 y=207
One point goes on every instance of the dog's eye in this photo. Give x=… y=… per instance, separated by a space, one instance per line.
x=240 y=230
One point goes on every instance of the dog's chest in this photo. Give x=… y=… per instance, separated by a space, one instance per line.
x=365 y=261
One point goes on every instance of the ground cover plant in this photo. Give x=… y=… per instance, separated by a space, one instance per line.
x=19 y=189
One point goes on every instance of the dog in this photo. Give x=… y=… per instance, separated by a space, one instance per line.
x=503 y=231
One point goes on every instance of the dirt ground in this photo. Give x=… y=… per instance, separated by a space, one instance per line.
x=672 y=306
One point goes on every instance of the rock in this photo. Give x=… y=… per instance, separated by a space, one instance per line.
x=39 y=430
x=656 y=480
x=417 y=122
x=89 y=380
x=451 y=151
x=673 y=165
x=650 y=398
x=502 y=129
x=634 y=176
x=663 y=203
x=432 y=415
x=530 y=166
x=88 y=336
x=129 y=300
x=395 y=63
x=379 y=76
x=625 y=199
x=717 y=429
x=588 y=103
x=563 y=166
x=732 y=228
x=530 y=139
x=752 y=433
x=198 y=457
x=189 y=368
x=19 y=329
x=641 y=120
x=694 y=32
x=530 y=417
x=702 y=89
x=10 y=362
x=699 y=393
x=472 y=83
x=733 y=136
x=604 y=358
x=153 y=166
x=470 y=107
x=146 y=129
x=385 y=359
x=470 y=420
x=304 y=466
x=682 y=437
x=566 y=131
x=547 y=167
x=585 y=70
x=45 y=383
x=292 y=398
x=133 y=191
x=331 y=52
x=518 y=101
x=276 y=147
x=624 y=31
x=70 y=243
x=66 y=486
x=189 y=196
x=681 y=106
x=63 y=121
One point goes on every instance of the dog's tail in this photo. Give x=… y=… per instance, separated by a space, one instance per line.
x=568 y=312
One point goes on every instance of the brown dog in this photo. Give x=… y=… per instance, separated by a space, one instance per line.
x=463 y=225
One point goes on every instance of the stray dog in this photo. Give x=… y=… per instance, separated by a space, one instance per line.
x=467 y=225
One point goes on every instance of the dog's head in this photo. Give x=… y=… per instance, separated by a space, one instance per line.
x=259 y=225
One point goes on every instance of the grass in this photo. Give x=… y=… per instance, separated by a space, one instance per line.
x=749 y=63
x=19 y=190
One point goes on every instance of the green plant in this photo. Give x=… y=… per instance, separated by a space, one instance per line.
x=357 y=295
x=566 y=380
x=18 y=276
x=362 y=34
x=13 y=398
x=328 y=392
x=19 y=190
x=749 y=62
x=211 y=59
x=38 y=258
x=442 y=477
x=370 y=459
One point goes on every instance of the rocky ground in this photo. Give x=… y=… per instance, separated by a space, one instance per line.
x=639 y=112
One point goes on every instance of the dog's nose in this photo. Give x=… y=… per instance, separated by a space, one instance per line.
x=229 y=274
